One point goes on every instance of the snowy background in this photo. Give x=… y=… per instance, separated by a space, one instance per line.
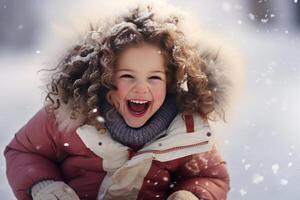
x=262 y=143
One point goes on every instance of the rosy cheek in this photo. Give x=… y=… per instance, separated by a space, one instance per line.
x=160 y=89
x=120 y=93
x=123 y=89
x=122 y=84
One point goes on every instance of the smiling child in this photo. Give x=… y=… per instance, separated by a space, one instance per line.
x=127 y=117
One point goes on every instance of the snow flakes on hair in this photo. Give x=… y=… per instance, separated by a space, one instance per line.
x=83 y=58
x=95 y=36
x=117 y=28
x=125 y=33
x=142 y=16
x=145 y=19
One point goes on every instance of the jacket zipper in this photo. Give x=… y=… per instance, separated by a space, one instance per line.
x=171 y=149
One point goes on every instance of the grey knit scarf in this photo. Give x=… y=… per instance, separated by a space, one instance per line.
x=136 y=138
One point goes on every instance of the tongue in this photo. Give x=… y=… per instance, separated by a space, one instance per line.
x=137 y=107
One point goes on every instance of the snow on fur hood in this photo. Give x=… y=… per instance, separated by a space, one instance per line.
x=224 y=66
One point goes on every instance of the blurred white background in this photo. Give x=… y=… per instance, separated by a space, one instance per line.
x=261 y=144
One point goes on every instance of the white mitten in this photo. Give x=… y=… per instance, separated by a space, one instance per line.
x=182 y=195
x=57 y=190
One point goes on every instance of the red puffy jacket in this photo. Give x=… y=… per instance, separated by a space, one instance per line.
x=183 y=161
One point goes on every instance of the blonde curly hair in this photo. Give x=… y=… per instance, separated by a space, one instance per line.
x=84 y=76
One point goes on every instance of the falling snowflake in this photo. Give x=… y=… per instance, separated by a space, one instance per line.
x=275 y=168
x=251 y=16
x=295 y=1
x=100 y=119
x=66 y=144
x=192 y=166
x=283 y=182
x=247 y=166
x=257 y=178
x=243 y=192
x=37 y=52
x=203 y=190
x=290 y=164
x=264 y=20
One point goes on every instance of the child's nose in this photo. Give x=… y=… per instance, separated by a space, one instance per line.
x=140 y=88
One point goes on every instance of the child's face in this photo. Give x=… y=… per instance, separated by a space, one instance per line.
x=140 y=79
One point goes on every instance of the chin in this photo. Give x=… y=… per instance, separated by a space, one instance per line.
x=136 y=125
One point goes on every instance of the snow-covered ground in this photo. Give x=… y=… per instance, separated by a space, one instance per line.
x=261 y=144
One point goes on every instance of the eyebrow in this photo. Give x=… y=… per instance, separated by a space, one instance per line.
x=129 y=70
x=119 y=70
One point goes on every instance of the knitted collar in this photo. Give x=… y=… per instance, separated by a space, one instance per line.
x=136 y=138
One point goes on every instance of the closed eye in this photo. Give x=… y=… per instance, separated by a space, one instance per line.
x=156 y=77
x=126 y=76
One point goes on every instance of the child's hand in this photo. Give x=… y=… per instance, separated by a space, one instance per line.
x=182 y=195
x=57 y=190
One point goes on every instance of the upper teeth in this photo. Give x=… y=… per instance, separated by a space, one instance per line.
x=139 y=102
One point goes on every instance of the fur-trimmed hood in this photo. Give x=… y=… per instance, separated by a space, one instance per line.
x=224 y=66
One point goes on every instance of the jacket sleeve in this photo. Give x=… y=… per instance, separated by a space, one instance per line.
x=205 y=175
x=33 y=154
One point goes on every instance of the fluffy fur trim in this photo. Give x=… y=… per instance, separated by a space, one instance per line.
x=64 y=120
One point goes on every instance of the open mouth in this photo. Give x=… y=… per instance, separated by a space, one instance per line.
x=137 y=107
